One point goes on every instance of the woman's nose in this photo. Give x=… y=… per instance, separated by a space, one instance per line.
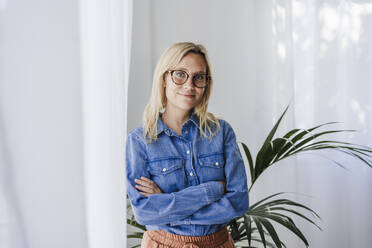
x=189 y=82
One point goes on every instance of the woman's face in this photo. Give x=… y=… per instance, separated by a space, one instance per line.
x=186 y=96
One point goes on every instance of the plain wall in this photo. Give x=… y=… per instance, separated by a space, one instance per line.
x=154 y=31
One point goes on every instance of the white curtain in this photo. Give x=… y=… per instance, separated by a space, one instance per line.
x=315 y=55
x=332 y=63
x=320 y=57
x=64 y=69
x=105 y=31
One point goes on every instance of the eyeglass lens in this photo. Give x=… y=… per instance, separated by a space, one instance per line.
x=180 y=77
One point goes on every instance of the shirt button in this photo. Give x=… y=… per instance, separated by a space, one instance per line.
x=188 y=151
x=191 y=174
x=164 y=169
x=217 y=164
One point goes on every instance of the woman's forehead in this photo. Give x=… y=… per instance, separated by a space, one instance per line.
x=192 y=62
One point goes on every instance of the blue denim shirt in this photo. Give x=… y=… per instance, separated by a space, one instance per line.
x=186 y=168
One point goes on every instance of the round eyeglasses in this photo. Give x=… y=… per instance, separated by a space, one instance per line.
x=199 y=80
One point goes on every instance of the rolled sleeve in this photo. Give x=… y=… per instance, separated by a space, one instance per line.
x=214 y=191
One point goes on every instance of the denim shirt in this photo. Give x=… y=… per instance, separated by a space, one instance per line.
x=186 y=168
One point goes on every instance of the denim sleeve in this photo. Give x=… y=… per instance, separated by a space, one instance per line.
x=158 y=209
x=235 y=202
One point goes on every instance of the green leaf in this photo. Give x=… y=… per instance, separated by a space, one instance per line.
x=307 y=140
x=266 y=198
x=273 y=130
x=297 y=137
x=289 y=224
x=260 y=230
x=247 y=223
x=265 y=149
x=289 y=203
x=270 y=228
x=135 y=235
x=250 y=160
x=135 y=224
x=267 y=210
x=234 y=229
x=296 y=213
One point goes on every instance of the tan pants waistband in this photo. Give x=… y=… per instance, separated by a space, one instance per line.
x=211 y=240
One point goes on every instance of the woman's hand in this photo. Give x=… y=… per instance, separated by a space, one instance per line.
x=223 y=185
x=147 y=187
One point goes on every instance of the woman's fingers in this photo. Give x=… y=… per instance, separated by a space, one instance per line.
x=144 y=189
x=148 y=186
x=144 y=194
x=145 y=182
x=223 y=185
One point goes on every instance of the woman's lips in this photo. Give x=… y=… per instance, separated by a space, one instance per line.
x=186 y=95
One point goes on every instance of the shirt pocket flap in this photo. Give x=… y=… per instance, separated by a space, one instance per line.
x=212 y=160
x=165 y=166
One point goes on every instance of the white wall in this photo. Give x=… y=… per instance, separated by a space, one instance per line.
x=40 y=99
x=140 y=78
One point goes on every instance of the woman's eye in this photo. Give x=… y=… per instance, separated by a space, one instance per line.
x=180 y=74
x=199 y=77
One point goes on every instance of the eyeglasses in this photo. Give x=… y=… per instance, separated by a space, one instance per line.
x=199 y=80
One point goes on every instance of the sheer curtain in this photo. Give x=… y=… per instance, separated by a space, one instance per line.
x=64 y=69
x=333 y=81
x=315 y=55
x=105 y=41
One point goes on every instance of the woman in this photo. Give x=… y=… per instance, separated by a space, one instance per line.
x=185 y=175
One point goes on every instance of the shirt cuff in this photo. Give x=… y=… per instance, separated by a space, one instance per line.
x=214 y=191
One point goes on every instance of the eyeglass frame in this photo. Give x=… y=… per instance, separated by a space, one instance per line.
x=193 y=81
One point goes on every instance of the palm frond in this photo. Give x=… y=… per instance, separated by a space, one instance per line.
x=250 y=160
x=135 y=235
x=264 y=213
x=298 y=141
x=134 y=223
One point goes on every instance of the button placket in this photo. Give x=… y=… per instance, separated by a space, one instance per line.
x=188 y=152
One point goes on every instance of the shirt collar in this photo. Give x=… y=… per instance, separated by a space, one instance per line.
x=162 y=127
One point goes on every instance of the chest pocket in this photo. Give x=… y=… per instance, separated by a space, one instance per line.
x=212 y=167
x=168 y=174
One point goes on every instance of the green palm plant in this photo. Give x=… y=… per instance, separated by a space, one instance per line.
x=256 y=226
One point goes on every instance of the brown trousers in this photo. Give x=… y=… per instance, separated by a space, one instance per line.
x=163 y=239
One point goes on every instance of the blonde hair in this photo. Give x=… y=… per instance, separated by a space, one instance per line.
x=170 y=58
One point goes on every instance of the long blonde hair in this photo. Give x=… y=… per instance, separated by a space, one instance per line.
x=171 y=57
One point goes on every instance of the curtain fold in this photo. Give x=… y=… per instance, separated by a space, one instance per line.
x=64 y=70
x=332 y=53
x=105 y=43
